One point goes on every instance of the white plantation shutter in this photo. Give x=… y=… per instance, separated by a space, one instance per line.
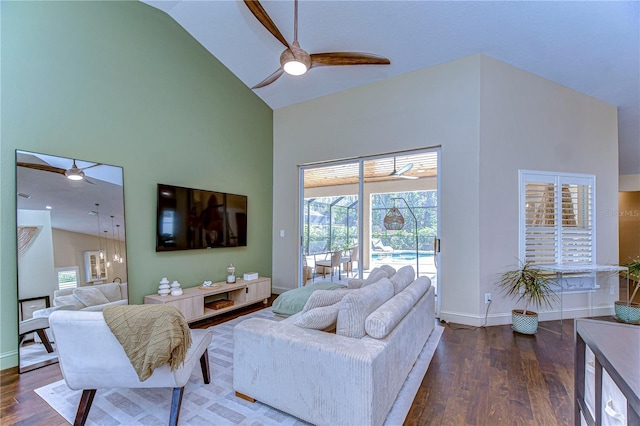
x=557 y=223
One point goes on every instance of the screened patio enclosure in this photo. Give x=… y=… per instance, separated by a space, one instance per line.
x=330 y=224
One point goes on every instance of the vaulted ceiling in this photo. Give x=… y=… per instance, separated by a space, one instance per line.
x=592 y=47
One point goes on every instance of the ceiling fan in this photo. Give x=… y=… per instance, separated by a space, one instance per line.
x=73 y=173
x=401 y=173
x=296 y=61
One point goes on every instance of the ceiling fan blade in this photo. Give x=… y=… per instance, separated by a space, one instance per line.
x=273 y=77
x=346 y=58
x=261 y=15
x=407 y=177
x=93 y=165
x=43 y=167
x=405 y=169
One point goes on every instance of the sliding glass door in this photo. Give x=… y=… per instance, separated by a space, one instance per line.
x=359 y=214
x=330 y=220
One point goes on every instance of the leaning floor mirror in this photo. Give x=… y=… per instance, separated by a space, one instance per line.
x=71 y=243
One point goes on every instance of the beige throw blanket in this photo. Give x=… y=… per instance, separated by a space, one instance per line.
x=151 y=335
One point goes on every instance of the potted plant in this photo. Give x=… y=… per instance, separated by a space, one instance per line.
x=629 y=311
x=534 y=287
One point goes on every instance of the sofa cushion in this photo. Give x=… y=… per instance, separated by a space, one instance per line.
x=90 y=296
x=320 y=298
x=321 y=318
x=375 y=275
x=402 y=278
x=111 y=291
x=67 y=300
x=293 y=301
x=356 y=306
x=101 y=307
x=384 y=319
x=390 y=270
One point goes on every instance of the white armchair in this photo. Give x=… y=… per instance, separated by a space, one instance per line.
x=91 y=358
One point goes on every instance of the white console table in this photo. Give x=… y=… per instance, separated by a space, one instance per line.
x=193 y=301
x=565 y=285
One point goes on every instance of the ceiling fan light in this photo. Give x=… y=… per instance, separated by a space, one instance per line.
x=295 y=68
x=295 y=61
x=74 y=175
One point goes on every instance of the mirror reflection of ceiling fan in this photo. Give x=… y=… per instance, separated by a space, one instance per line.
x=296 y=61
x=73 y=173
x=401 y=173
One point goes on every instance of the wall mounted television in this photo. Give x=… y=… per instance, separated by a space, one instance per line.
x=198 y=219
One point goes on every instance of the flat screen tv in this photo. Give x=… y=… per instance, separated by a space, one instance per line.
x=198 y=219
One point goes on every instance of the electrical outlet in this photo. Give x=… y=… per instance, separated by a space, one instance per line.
x=487 y=298
x=611 y=290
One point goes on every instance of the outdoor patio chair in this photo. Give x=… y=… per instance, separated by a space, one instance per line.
x=351 y=257
x=331 y=261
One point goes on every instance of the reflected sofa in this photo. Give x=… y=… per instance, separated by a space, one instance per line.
x=91 y=298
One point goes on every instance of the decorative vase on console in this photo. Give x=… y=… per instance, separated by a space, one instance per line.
x=163 y=288
x=175 y=289
x=231 y=274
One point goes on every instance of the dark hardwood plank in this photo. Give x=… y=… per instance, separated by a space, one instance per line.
x=493 y=376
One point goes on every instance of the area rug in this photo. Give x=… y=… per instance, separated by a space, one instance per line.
x=36 y=354
x=213 y=404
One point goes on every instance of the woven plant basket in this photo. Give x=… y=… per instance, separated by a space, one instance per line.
x=627 y=312
x=524 y=323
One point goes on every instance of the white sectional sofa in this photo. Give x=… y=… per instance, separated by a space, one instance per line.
x=351 y=376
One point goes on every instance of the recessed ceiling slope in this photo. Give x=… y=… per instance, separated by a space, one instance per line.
x=591 y=47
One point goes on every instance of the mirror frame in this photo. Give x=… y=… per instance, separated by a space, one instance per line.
x=83 y=218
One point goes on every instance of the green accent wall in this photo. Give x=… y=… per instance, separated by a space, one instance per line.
x=122 y=83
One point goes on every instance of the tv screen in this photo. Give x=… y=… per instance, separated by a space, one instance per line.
x=198 y=219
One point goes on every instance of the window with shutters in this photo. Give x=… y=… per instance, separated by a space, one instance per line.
x=557 y=224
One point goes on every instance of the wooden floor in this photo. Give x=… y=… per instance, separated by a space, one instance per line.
x=483 y=376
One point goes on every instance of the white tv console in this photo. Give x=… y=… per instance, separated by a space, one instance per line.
x=192 y=301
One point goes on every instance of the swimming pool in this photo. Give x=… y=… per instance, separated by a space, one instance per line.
x=401 y=255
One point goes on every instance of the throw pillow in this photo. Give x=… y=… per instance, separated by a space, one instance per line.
x=356 y=306
x=111 y=291
x=375 y=275
x=319 y=318
x=67 y=300
x=390 y=270
x=403 y=278
x=90 y=296
x=292 y=301
x=320 y=298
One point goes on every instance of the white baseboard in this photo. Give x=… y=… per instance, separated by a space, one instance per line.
x=505 y=318
x=278 y=290
x=9 y=359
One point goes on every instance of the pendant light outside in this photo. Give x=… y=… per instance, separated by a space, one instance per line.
x=393 y=220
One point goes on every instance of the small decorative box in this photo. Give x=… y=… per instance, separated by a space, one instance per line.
x=219 y=304
x=250 y=276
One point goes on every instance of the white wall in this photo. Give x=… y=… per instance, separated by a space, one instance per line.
x=528 y=122
x=490 y=119
x=70 y=248
x=36 y=274
x=436 y=106
x=630 y=182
